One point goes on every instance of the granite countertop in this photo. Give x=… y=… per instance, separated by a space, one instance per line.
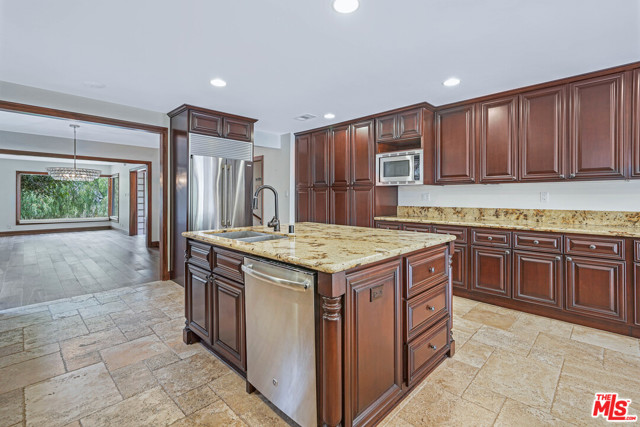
x=326 y=247
x=595 y=229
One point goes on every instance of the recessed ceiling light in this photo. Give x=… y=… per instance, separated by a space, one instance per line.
x=329 y=116
x=451 y=82
x=345 y=6
x=218 y=83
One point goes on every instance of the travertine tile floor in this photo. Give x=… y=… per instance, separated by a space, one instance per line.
x=117 y=358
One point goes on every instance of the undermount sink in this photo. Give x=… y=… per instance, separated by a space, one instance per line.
x=249 y=236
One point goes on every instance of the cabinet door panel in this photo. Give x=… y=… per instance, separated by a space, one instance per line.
x=537 y=278
x=386 y=128
x=198 y=301
x=374 y=312
x=455 y=145
x=636 y=275
x=596 y=137
x=303 y=161
x=409 y=124
x=596 y=287
x=459 y=264
x=491 y=271
x=339 y=155
x=238 y=129
x=498 y=138
x=320 y=205
x=303 y=204
x=543 y=131
x=361 y=207
x=229 y=321
x=635 y=120
x=205 y=123
x=320 y=158
x=363 y=155
x=340 y=201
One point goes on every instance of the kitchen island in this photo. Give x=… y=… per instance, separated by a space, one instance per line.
x=382 y=308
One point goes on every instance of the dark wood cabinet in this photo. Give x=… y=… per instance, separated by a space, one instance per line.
x=374 y=341
x=204 y=123
x=340 y=202
x=320 y=205
x=636 y=291
x=229 y=331
x=198 y=298
x=596 y=287
x=361 y=207
x=363 y=149
x=419 y=228
x=340 y=158
x=237 y=129
x=498 y=140
x=543 y=134
x=399 y=126
x=596 y=131
x=389 y=225
x=459 y=264
x=635 y=124
x=303 y=160
x=320 y=158
x=220 y=125
x=303 y=204
x=537 y=278
x=455 y=145
x=491 y=270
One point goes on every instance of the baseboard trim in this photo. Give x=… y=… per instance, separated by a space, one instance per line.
x=52 y=230
x=155 y=244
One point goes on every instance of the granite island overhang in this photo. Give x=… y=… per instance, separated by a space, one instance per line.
x=382 y=308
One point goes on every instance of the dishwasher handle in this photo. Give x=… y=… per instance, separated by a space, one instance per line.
x=302 y=286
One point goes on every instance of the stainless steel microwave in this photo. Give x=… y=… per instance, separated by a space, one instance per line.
x=399 y=168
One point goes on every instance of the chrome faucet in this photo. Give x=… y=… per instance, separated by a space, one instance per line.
x=275 y=221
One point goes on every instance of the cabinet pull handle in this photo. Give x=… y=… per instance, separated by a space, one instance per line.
x=489 y=238
x=433 y=347
x=432 y=269
x=572 y=175
x=431 y=308
x=558 y=258
x=561 y=176
x=186 y=254
x=535 y=242
x=569 y=258
x=507 y=252
x=592 y=246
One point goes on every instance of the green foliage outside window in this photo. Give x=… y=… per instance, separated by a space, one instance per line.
x=42 y=197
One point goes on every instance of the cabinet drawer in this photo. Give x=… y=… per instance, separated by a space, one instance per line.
x=200 y=254
x=229 y=265
x=538 y=242
x=500 y=239
x=423 y=310
x=426 y=270
x=389 y=225
x=425 y=350
x=459 y=232
x=205 y=123
x=602 y=247
x=420 y=228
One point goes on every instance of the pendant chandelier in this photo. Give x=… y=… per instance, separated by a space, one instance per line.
x=74 y=173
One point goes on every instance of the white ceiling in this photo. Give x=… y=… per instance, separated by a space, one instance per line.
x=283 y=58
x=53 y=126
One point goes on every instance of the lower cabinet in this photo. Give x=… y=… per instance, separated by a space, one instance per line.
x=459 y=264
x=373 y=348
x=636 y=276
x=537 y=278
x=418 y=228
x=389 y=225
x=228 y=321
x=596 y=287
x=198 y=284
x=491 y=270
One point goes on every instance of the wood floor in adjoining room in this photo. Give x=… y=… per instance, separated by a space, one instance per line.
x=47 y=267
x=116 y=358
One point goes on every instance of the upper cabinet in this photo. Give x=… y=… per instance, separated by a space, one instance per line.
x=303 y=160
x=221 y=126
x=543 y=134
x=339 y=155
x=455 y=145
x=498 y=140
x=635 y=120
x=399 y=126
x=596 y=134
x=320 y=158
x=363 y=150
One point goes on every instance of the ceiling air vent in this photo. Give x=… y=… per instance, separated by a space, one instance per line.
x=305 y=117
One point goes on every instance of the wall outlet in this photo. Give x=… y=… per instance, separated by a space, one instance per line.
x=425 y=197
x=544 y=197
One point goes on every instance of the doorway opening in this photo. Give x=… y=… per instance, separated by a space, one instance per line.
x=258 y=180
x=138 y=209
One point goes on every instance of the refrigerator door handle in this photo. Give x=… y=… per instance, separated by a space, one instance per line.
x=225 y=195
x=229 y=194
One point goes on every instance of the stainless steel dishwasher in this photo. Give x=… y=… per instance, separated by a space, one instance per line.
x=281 y=349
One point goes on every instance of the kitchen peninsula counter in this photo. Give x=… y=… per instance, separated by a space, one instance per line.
x=382 y=308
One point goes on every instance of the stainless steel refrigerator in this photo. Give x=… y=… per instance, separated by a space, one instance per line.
x=220 y=183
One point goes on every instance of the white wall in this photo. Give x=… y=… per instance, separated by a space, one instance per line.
x=29 y=142
x=580 y=195
x=8 y=168
x=277 y=174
